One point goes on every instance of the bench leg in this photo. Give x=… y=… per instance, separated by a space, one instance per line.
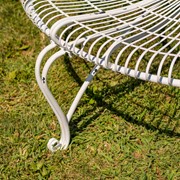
x=54 y=144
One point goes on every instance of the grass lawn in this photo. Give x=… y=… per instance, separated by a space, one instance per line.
x=123 y=128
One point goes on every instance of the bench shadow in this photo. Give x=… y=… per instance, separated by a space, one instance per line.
x=102 y=105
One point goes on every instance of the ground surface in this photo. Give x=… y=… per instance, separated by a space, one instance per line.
x=123 y=128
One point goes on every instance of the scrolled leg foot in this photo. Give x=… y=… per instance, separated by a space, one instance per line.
x=54 y=145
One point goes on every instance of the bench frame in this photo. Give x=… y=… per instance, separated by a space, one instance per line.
x=41 y=77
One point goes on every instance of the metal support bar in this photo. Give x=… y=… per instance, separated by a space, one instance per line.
x=81 y=92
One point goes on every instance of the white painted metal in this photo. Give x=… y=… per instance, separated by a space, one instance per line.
x=53 y=144
x=138 y=38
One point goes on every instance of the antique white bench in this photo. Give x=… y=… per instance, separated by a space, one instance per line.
x=138 y=38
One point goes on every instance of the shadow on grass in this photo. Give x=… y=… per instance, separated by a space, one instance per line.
x=127 y=86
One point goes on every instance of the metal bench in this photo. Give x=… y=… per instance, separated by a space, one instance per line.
x=138 y=38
